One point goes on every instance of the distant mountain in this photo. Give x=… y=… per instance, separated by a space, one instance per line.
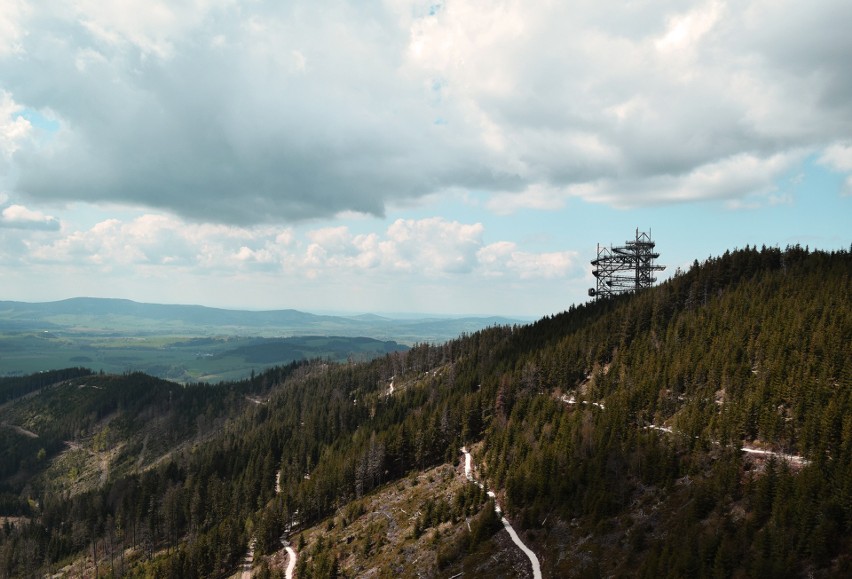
x=371 y=318
x=188 y=314
x=99 y=315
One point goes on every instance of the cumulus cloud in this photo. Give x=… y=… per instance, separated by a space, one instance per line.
x=838 y=157
x=504 y=257
x=149 y=239
x=150 y=26
x=434 y=245
x=419 y=249
x=245 y=113
x=13 y=127
x=19 y=217
x=425 y=247
x=12 y=31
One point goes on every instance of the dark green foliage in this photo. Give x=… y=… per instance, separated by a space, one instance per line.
x=753 y=346
x=483 y=525
x=274 y=350
x=11 y=388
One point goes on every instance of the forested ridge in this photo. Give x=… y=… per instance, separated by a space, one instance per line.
x=611 y=433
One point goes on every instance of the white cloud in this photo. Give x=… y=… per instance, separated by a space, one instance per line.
x=424 y=249
x=736 y=177
x=502 y=258
x=272 y=113
x=336 y=239
x=434 y=245
x=19 y=217
x=152 y=26
x=685 y=31
x=146 y=240
x=838 y=157
x=13 y=127
x=284 y=238
x=533 y=197
x=88 y=57
x=262 y=256
x=12 y=31
x=298 y=62
x=739 y=178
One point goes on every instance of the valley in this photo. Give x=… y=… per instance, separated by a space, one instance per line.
x=699 y=428
x=178 y=358
x=197 y=344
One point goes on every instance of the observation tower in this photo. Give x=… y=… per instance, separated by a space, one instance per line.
x=626 y=268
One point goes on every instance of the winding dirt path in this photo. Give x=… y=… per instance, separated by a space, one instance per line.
x=291 y=553
x=248 y=561
x=291 y=563
x=791 y=458
x=468 y=472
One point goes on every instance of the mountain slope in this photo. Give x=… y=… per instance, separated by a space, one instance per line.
x=611 y=434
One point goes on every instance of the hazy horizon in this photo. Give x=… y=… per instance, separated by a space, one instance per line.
x=462 y=157
x=318 y=312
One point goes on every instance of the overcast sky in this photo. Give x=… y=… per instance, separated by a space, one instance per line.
x=392 y=156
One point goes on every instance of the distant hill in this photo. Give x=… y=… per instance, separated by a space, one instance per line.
x=102 y=315
x=190 y=343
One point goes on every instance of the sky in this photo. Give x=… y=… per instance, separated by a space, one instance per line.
x=457 y=157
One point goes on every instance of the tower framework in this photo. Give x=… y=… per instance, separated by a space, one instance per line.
x=625 y=268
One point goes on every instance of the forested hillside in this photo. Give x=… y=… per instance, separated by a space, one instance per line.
x=703 y=427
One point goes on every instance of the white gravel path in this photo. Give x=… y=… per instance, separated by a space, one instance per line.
x=468 y=472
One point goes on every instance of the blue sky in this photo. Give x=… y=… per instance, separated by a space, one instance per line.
x=458 y=157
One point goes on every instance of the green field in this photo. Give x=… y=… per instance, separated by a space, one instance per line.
x=178 y=358
x=186 y=343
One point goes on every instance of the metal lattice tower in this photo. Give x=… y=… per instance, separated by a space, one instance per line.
x=626 y=268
